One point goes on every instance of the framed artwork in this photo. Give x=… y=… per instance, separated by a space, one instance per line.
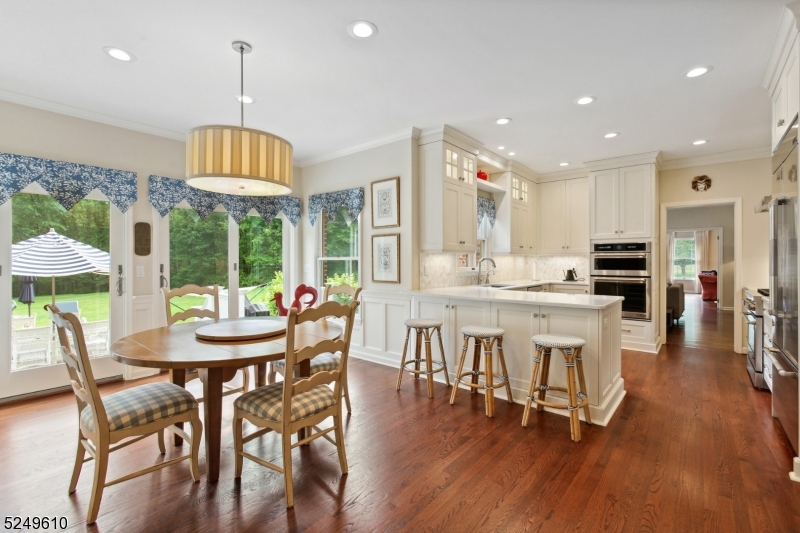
x=386 y=258
x=386 y=203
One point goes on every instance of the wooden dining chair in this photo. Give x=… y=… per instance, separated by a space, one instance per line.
x=199 y=312
x=121 y=418
x=344 y=294
x=308 y=401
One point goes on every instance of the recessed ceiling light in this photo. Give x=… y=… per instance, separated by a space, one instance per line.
x=701 y=141
x=564 y=164
x=119 y=54
x=699 y=71
x=246 y=99
x=585 y=100
x=611 y=135
x=502 y=121
x=510 y=153
x=501 y=147
x=361 y=29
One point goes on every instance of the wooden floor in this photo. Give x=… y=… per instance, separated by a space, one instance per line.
x=703 y=326
x=692 y=448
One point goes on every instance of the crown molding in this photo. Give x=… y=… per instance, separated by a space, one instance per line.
x=781 y=46
x=451 y=135
x=718 y=158
x=409 y=133
x=563 y=175
x=68 y=110
x=625 y=161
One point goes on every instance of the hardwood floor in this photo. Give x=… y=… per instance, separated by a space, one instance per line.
x=703 y=326
x=692 y=447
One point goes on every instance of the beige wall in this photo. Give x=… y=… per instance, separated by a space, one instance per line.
x=359 y=170
x=748 y=180
x=709 y=217
x=37 y=133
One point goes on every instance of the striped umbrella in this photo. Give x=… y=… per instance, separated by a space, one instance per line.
x=54 y=255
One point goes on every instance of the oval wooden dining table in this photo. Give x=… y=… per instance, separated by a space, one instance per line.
x=177 y=348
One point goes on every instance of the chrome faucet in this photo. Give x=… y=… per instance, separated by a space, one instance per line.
x=480 y=267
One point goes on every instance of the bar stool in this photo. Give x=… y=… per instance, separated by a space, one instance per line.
x=423 y=328
x=570 y=346
x=485 y=337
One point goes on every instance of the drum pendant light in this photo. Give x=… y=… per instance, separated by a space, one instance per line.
x=238 y=160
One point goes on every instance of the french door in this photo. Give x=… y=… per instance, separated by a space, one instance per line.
x=30 y=357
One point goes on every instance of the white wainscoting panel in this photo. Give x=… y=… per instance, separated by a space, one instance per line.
x=382 y=329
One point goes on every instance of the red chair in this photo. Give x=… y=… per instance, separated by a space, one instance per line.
x=709 y=284
x=300 y=291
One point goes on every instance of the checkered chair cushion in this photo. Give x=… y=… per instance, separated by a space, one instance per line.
x=267 y=402
x=141 y=405
x=325 y=362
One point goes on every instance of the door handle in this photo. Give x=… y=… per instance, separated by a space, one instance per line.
x=119 y=280
x=163 y=282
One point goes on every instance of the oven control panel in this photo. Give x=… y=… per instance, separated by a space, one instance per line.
x=622 y=247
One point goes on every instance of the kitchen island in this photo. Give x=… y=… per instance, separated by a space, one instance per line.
x=523 y=314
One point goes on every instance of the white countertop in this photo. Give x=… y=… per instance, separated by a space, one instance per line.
x=533 y=283
x=474 y=292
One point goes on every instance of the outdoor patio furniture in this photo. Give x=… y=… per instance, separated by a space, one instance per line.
x=96 y=334
x=23 y=322
x=70 y=306
x=30 y=347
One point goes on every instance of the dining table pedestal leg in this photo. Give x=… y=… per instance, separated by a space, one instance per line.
x=261 y=374
x=212 y=399
x=178 y=377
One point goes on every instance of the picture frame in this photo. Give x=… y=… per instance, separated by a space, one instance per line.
x=386 y=258
x=385 y=196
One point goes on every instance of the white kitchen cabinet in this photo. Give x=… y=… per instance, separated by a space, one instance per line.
x=516 y=228
x=563 y=212
x=621 y=203
x=785 y=95
x=449 y=196
x=569 y=289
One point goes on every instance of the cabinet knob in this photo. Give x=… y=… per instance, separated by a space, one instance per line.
x=544 y=315
x=535 y=315
x=781 y=122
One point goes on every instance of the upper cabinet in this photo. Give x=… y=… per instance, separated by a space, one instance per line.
x=563 y=212
x=448 y=197
x=782 y=76
x=622 y=203
x=515 y=230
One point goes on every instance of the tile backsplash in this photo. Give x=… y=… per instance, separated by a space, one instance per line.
x=439 y=270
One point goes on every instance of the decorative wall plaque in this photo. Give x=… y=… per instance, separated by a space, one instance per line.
x=141 y=238
x=701 y=183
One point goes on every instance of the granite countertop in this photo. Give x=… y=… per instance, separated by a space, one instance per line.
x=474 y=292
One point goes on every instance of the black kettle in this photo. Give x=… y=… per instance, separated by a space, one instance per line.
x=570 y=275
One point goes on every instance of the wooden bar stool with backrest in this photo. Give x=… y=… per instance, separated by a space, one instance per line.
x=124 y=417
x=423 y=328
x=485 y=337
x=298 y=403
x=344 y=294
x=195 y=312
x=570 y=346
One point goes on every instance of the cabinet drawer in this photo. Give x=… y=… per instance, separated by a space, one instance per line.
x=634 y=331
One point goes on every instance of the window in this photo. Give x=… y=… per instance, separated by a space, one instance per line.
x=339 y=251
x=683 y=258
x=261 y=260
x=468 y=263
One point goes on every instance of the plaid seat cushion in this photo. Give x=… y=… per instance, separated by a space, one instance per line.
x=141 y=405
x=326 y=362
x=267 y=402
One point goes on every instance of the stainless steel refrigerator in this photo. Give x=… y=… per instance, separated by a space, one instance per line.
x=783 y=295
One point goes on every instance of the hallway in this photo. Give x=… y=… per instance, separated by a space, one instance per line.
x=703 y=326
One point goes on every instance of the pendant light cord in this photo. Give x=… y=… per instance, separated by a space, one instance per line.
x=241 y=81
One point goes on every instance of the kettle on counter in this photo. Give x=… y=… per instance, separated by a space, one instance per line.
x=570 y=275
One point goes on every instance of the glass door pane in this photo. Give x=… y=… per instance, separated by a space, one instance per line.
x=260 y=263
x=198 y=254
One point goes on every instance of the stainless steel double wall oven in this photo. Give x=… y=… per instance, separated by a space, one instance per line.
x=624 y=269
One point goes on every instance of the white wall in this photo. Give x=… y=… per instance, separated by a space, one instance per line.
x=710 y=217
x=37 y=133
x=359 y=170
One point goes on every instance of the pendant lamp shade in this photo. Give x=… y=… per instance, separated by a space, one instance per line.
x=240 y=161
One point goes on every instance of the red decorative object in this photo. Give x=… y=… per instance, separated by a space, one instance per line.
x=482 y=175
x=302 y=290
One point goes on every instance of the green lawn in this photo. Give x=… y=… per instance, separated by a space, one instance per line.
x=93 y=306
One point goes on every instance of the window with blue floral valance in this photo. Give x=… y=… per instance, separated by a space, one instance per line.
x=166 y=193
x=486 y=209
x=68 y=183
x=331 y=202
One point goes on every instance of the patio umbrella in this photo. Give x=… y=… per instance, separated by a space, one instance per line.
x=54 y=255
x=27 y=295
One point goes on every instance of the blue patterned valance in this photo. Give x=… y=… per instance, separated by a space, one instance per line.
x=166 y=193
x=68 y=183
x=350 y=199
x=486 y=209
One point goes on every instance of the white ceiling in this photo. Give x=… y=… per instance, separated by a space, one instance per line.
x=463 y=63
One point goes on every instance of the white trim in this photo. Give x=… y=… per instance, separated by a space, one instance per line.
x=737 y=256
x=718 y=158
x=408 y=133
x=562 y=175
x=64 y=109
x=625 y=161
x=720 y=262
